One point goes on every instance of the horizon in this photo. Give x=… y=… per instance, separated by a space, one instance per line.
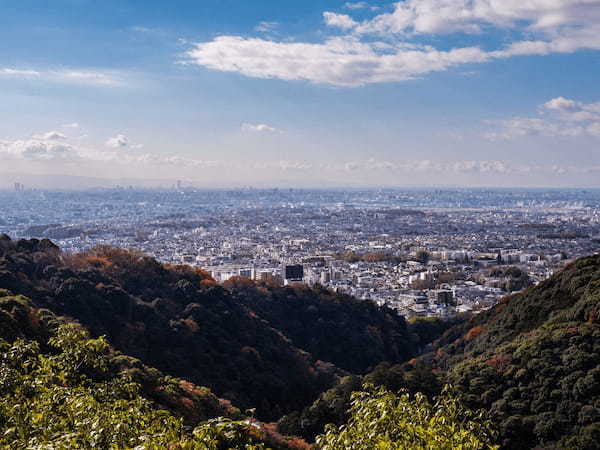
x=171 y=185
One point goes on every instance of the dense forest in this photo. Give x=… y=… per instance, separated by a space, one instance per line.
x=176 y=358
x=266 y=347
x=533 y=362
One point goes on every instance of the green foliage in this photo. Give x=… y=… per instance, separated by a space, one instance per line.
x=515 y=278
x=221 y=434
x=353 y=334
x=425 y=330
x=382 y=420
x=20 y=320
x=260 y=346
x=534 y=361
x=173 y=318
x=65 y=399
x=332 y=406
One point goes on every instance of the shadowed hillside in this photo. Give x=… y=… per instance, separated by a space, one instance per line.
x=533 y=361
x=59 y=388
x=271 y=348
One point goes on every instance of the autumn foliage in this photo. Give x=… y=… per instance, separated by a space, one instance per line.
x=474 y=332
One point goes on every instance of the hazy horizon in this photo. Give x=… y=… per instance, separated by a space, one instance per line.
x=81 y=183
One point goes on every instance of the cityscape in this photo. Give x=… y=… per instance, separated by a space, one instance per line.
x=300 y=225
x=422 y=252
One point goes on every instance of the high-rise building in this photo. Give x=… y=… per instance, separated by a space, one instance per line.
x=293 y=272
x=247 y=272
x=444 y=297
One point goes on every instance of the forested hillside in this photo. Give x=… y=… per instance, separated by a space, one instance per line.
x=534 y=361
x=265 y=347
x=294 y=353
x=59 y=388
x=353 y=334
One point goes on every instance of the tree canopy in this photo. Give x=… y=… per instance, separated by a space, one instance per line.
x=380 y=419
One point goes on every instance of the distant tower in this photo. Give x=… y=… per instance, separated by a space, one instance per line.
x=19 y=187
x=179 y=184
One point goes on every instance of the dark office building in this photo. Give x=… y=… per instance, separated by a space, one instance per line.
x=293 y=272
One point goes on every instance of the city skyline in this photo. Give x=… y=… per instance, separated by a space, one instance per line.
x=323 y=93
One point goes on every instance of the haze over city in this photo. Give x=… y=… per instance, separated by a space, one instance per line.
x=301 y=94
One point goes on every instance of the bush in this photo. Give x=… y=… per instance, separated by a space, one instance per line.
x=381 y=419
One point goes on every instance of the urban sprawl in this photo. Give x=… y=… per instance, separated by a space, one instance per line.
x=422 y=252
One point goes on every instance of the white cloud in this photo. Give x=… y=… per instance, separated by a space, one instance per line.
x=431 y=166
x=11 y=72
x=541 y=26
x=569 y=41
x=258 y=128
x=266 y=27
x=341 y=61
x=560 y=104
x=140 y=29
x=63 y=152
x=573 y=111
x=448 y=16
x=94 y=78
x=360 y=5
x=530 y=126
x=119 y=141
x=38 y=150
x=50 y=136
x=72 y=125
x=60 y=158
x=568 y=119
x=339 y=20
x=85 y=77
x=594 y=129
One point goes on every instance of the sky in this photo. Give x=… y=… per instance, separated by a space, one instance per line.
x=312 y=93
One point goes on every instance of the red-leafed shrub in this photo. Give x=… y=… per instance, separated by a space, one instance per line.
x=191 y=325
x=239 y=283
x=498 y=362
x=474 y=332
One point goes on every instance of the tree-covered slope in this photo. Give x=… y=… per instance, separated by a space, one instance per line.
x=61 y=389
x=19 y=319
x=239 y=342
x=353 y=334
x=333 y=406
x=534 y=361
x=571 y=294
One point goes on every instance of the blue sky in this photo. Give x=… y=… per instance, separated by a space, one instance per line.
x=311 y=93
